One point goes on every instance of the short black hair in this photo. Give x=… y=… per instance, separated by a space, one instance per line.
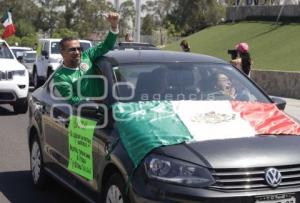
x=65 y=39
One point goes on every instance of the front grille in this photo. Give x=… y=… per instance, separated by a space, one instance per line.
x=253 y=178
x=4 y=75
x=7 y=96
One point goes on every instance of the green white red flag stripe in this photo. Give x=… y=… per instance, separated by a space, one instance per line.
x=10 y=28
x=144 y=126
x=266 y=118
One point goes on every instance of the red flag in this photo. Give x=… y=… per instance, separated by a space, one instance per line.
x=10 y=28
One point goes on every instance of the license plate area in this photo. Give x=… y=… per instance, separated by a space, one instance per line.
x=276 y=198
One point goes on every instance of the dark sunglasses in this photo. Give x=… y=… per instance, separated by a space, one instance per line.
x=74 y=49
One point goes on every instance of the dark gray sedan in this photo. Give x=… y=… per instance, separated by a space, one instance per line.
x=170 y=127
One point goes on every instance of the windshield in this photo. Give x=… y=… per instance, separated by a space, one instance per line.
x=5 y=52
x=55 y=48
x=18 y=52
x=183 y=81
x=29 y=57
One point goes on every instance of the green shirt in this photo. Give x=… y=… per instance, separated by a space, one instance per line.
x=66 y=80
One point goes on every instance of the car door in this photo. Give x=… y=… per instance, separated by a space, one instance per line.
x=55 y=126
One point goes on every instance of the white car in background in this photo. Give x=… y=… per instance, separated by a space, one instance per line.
x=28 y=59
x=18 y=51
x=14 y=80
x=49 y=58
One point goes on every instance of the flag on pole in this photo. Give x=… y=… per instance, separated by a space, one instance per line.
x=9 y=27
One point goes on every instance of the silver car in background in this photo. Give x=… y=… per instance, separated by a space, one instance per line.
x=28 y=60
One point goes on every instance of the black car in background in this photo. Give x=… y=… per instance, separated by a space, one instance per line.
x=264 y=168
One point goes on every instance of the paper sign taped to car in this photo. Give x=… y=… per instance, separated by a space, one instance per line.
x=80 y=135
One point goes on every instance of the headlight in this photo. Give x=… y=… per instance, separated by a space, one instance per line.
x=175 y=171
x=10 y=74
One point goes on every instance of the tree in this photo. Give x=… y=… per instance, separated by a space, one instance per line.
x=195 y=15
x=127 y=12
x=64 y=32
x=47 y=15
x=24 y=28
x=159 y=9
x=29 y=40
x=148 y=25
x=87 y=18
x=13 y=40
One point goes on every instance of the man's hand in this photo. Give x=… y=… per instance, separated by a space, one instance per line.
x=113 y=18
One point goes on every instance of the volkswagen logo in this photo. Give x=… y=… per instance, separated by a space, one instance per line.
x=273 y=177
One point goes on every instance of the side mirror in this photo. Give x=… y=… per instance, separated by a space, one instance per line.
x=280 y=103
x=94 y=111
x=45 y=53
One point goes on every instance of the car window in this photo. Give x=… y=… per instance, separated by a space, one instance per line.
x=85 y=45
x=5 y=52
x=29 y=57
x=184 y=81
x=55 y=48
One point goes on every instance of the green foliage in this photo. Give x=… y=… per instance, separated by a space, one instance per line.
x=13 y=40
x=83 y=16
x=24 y=28
x=194 y=15
x=64 y=32
x=29 y=40
x=273 y=47
x=127 y=13
x=148 y=25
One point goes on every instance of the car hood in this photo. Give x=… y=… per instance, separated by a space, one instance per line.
x=259 y=151
x=56 y=57
x=10 y=64
x=217 y=133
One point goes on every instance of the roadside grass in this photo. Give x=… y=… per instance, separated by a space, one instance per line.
x=272 y=47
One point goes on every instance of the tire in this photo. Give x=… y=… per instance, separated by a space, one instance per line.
x=115 y=190
x=39 y=177
x=20 y=106
x=36 y=79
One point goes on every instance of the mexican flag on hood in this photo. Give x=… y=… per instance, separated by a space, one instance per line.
x=9 y=27
x=144 y=126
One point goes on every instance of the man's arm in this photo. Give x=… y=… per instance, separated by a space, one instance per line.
x=102 y=48
x=65 y=89
x=109 y=42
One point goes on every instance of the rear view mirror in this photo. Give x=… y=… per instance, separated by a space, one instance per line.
x=280 y=103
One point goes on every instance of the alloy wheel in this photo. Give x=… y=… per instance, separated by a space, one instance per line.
x=36 y=162
x=114 y=195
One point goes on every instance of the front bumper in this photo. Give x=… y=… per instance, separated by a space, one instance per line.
x=12 y=90
x=197 y=195
x=149 y=191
